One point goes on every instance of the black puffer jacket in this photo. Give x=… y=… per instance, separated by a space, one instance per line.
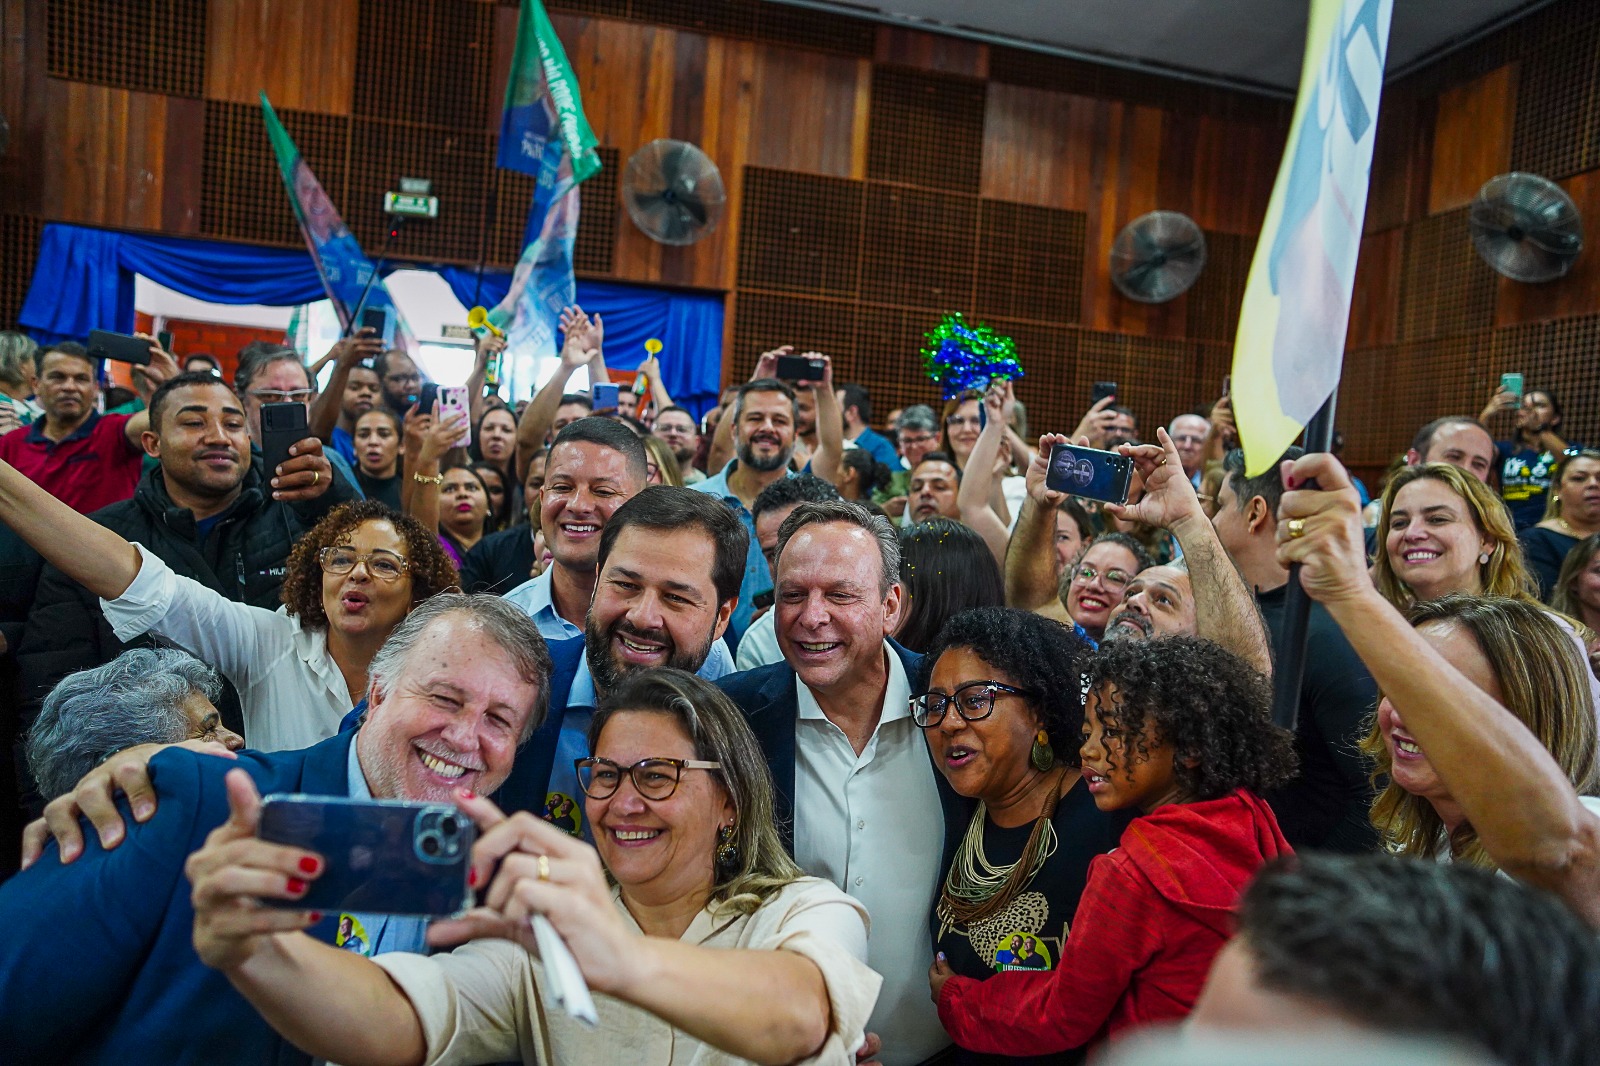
x=243 y=559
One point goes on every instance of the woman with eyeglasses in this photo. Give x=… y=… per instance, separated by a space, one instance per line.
x=1097 y=582
x=1002 y=714
x=299 y=670
x=1572 y=513
x=701 y=939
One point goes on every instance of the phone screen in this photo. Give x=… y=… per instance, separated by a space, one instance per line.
x=1089 y=472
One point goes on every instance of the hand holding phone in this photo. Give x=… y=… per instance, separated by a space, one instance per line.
x=800 y=368
x=1102 y=390
x=1512 y=384
x=119 y=347
x=453 y=401
x=604 y=396
x=1090 y=473
x=283 y=425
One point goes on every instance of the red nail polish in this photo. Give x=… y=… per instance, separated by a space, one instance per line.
x=296 y=885
x=316 y=916
x=472 y=878
x=310 y=865
x=467 y=793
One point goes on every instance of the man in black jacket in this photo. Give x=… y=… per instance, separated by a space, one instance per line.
x=501 y=561
x=207 y=511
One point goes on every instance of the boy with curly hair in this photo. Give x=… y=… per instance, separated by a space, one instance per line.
x=1180 y=731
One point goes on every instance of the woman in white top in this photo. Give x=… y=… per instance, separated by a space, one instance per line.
x=707 y=946
x=1515 y=793
x=299 y=669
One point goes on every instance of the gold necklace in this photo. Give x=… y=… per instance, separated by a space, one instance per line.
x=976 y=889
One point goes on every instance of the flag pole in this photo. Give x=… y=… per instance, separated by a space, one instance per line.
x=1290 y=667
x=355 y=314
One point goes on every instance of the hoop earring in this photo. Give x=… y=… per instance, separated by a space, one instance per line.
x=727 y=850
x=1041 y=754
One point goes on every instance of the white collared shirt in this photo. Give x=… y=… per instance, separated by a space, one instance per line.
x=872 y=824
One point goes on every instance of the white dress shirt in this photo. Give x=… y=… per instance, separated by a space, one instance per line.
x=872 y=824
x=290 y=689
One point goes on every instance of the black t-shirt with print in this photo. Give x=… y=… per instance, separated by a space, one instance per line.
x=1029 y=932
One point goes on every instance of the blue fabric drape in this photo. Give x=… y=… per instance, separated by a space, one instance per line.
x=84 y=281
x=688 y=325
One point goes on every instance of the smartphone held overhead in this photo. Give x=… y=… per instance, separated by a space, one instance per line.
x=800 y=368
x=1090 y=473
x=453 y=401
x=119 y=347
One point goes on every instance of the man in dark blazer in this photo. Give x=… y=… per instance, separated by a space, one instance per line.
x=858 y=798
x=98 y=964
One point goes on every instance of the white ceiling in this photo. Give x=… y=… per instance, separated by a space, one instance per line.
x=1246 y=41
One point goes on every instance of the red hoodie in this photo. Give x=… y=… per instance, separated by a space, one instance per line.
x=1153 y=915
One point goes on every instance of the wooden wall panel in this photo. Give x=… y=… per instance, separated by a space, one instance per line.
x=1038 y=147
x=805 y=115
x=23 y=83
x=1576 y=294
x=246 y=41
x=105 y=156
x=1375 y=300
x=1471 y=138
x=902 y=46
x=1124 y=169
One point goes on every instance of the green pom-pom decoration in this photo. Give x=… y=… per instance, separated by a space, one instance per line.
x=959 y=357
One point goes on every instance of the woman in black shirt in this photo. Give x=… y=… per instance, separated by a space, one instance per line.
x=377 y=440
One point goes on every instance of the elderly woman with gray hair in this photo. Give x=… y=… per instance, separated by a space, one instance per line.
x=18 y=374
x=143 y=696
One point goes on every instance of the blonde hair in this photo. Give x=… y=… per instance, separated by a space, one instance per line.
x=656 y=450
x=1504 y=574
x=1543 y=682
x=1552 y=499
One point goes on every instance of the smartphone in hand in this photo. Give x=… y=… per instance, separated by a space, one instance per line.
x=120 y=347
x=1512 y=383
x=1090 y=473
x=799 y=368
x=1101 y=390
x=452 y=401
x=604 y=397
x=282 y=425
x=379 y=856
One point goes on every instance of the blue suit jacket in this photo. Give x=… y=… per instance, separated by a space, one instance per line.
x=767 y=697
x=97 y=963
x=529 y=781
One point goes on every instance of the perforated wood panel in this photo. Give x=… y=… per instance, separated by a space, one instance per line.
x=1558 y=105
x=926 y=129
x=595 y=248
x=1030 y=262
x=155 y=46
x=19 y=251
x=758 y=20
x=241 y=193
x=800 y=233
x=459 y=165
x=1444 y=287
x=920 y=248
x=765 y=321
x=1214 y=302
x=426 y=62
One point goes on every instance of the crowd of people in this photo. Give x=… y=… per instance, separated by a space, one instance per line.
x=815 y=735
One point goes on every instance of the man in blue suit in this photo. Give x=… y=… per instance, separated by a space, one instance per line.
x=856 y=793
x=97 y=964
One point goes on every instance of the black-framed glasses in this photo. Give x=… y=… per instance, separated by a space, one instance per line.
x=383 y=565
x=973 y=701
x=654 y=779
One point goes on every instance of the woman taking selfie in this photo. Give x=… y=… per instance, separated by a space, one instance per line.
x=350 y=581
x=706 y=944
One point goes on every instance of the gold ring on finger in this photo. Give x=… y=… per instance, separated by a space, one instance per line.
x=1297 y=528
x=544 y=867
x=316 y=476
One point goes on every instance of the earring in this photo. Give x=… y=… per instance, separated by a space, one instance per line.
x=1041 y=754
x=727 y=850
x=1556 y=498
x=1483 y=558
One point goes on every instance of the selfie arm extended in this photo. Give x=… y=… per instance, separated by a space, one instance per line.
x=1291 y=651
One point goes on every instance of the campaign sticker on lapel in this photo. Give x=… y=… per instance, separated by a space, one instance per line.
x=352 y=935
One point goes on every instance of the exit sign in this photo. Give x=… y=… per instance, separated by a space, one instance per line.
x=410 y=205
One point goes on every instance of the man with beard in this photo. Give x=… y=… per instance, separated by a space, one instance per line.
x=205 y=511
x=399 y=379
x=764 y=419
x=99 y=964
x=1203 y=595
x=353 y=389
x=669 y=565
x=677 y=430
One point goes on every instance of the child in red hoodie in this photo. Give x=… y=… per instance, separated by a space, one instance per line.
x=1180 y=730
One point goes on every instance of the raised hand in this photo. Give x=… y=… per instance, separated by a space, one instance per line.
x=767 y=365
x=441 y=435
x=1169 y=498
x=582 y=337
x=1320 y=528
x=350 y=351
x=305 y=475
x=233 y=872
x=147 y=379
x=1097 y=422
x=1039 y=468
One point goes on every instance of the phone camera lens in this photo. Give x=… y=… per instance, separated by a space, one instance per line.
x=449 y=827
x=430 y=845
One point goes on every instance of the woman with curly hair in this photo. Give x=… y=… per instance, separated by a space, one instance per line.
x=350 y=581
x=1177 y=732
x=1520 y=655
x=1001 y=713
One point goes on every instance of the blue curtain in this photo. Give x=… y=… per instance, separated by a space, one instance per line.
x=84 y=281
x=688 y=325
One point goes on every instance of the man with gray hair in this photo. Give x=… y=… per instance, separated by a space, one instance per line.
x=916 y=433
x=273 y=373
x=857 y=795
x=143 y=696
x=99 y=959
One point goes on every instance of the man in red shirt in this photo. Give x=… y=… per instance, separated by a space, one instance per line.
x=83 y=458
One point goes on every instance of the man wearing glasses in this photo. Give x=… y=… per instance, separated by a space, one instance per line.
x=1189 y=433
x=272 y=373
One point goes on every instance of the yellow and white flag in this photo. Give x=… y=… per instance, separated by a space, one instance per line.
x=1296 y=310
